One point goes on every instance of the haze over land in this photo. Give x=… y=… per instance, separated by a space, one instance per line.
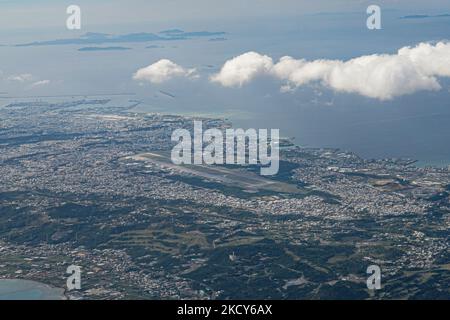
x=386 y=121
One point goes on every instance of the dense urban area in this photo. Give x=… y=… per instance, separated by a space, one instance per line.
x=73 y=192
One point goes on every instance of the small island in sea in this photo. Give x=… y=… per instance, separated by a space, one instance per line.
x=104 y=49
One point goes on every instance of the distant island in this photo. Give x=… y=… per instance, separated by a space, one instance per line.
x=424 y=16
x=104 y=49
x=153 y=46
x=92 y=38
x=218 y=39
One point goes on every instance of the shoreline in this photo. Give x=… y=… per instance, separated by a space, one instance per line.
x=436 y=164
x=25 y=286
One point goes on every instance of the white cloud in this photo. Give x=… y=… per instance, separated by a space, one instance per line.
x=28 y=79
x=377 y=76
x=24 y=77
x=162 y=71
x=242 y=69
x=40 y=83
x=430 y=59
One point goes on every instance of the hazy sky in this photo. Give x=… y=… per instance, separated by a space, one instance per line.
x=50 y=13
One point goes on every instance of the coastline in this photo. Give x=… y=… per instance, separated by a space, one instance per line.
x=23 y=289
